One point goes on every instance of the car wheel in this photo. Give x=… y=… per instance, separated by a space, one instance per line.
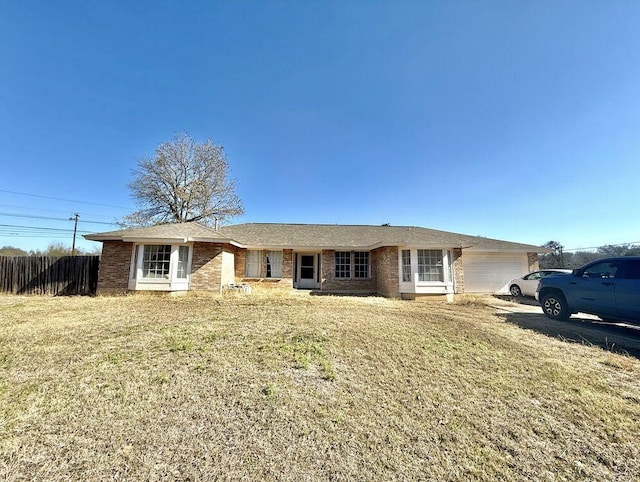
x=555 y=307
x=515 y=290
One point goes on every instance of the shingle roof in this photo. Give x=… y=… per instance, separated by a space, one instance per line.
x=176 y=231
x=314 y=236
x=332 y=236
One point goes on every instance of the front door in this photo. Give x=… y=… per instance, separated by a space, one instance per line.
x=307 y=271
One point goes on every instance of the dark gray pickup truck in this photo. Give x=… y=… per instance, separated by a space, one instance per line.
x=608 y=288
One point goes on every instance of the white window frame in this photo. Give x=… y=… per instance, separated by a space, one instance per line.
x=432 y=265
x=405 y=267
x=172 y=282
x=415 y=284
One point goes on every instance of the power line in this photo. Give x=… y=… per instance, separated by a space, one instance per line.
x=13 y=206
x=32 y=216
x=12 y=228
x=602 y=246
x=63 y=199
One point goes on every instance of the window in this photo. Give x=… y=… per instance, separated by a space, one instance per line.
x=606 y=269
x=160 y=267
x=183 y=259
x=254 y=260
x=343 y=264
x=632 y=269
x=406 y=265
x=155 y=261
x=274 y=264
x=430 y=266
x=134 y=271
x=361 y=264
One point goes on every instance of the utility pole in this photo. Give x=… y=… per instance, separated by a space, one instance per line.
x=75 y=228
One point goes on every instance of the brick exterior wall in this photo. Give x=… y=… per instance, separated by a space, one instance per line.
x=207 y=266
x=458 y=270
x=214 y=265
x=385 y=264
x=328 y=281
x=287 y=265
x=241 y=262
x=115 y=263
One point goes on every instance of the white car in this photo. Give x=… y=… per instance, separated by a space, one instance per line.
x=526 y=286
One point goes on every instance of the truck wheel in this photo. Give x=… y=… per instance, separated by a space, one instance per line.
x=555 y=307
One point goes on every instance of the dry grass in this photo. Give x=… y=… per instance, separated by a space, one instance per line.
x=284 y=386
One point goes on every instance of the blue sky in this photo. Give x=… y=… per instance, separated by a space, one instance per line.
x=511 y=120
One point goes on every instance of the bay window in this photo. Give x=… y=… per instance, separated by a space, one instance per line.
x=155 y=261
x=425 y=271
x=406 y=265
x=160 y=267
x=430 y=265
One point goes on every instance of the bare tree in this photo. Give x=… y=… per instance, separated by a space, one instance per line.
x=555 y=259
x=184 y=181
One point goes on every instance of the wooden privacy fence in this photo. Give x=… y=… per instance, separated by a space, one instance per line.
x=49 y=275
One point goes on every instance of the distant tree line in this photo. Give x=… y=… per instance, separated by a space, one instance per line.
x=54 y=249
x=559 y=258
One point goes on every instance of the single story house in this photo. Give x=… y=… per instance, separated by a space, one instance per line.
x=392 y=261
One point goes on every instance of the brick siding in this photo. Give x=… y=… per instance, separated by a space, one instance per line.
x=458 y=270
x=115 y=263
x=211 y=266
x=386 y=266
x=330 y=283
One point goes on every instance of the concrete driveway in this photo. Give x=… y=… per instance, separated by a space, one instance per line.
x=580 y=328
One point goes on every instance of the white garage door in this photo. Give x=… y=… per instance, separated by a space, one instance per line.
x=487 y=273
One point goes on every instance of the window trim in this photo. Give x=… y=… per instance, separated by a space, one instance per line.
x=414 y=285
x=171 y=282
x=428 y=269
x=405 y=268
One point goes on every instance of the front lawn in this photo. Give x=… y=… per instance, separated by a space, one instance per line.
x=277 y=386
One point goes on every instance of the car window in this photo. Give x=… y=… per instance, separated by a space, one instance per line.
x=631 y=269
x=532 y=276
x=547 y=273
x=606 y=269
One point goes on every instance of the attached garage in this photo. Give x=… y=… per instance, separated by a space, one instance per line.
x=488 y=272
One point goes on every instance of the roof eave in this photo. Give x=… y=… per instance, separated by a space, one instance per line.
x=162 y=239
x=524 y=249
